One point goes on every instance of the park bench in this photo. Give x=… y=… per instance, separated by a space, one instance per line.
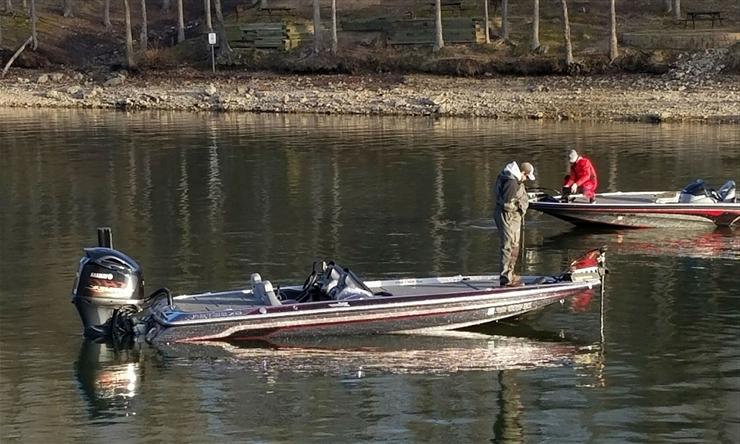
x=697 y=16
x=279 y=9
x=447 y=4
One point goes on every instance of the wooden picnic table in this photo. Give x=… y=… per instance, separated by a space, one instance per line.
x=694 y=16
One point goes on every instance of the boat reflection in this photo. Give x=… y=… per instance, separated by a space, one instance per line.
x=721 y=243
x=438 y=353
x=109 y=378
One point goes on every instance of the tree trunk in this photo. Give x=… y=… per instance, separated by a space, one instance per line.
x=15 y=56
x=676 y=10
x=144 y=34
x=613 y=51
x=566 y=35
x=180 y=22
x=106 y=15
x=34 y=20
x=8 y=5
x=166 y=5
x=535 y=26
x=505 y=19
x=485 y=20
x=130 y=62
x=668 y=5
x=207 y=10
x=316 y=26
x=68 y=8
x=439 y=41
x=223 y=45
x=334 y=40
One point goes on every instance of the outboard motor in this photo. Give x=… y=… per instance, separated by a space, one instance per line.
x=695 y=192
x=107 y=282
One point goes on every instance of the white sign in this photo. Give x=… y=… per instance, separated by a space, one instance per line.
x=211 y=38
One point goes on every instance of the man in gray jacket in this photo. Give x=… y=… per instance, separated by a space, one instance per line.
x=511 y=205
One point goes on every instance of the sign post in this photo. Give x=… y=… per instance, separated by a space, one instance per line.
x=212 y=44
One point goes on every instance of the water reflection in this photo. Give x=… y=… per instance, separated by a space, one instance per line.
x=720 y=243
x=202 y=200
x=109 y=379
x=439 y=353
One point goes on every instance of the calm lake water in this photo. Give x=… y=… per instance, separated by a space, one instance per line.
x=202 y=201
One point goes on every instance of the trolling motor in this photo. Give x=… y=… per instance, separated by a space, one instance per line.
x=107 y=284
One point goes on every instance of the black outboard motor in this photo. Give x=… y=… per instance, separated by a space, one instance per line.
x=107 y=282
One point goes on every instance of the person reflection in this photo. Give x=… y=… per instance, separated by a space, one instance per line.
x=108 y=378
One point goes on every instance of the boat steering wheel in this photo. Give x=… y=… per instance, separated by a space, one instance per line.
x=310 y=280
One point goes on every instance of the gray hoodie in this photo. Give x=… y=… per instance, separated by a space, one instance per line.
x=511 y=195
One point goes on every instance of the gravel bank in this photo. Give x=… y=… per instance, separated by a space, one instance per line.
x=696 y=90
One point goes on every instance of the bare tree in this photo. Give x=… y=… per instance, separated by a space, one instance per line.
x=676 y=10
x=130 y=62
x=566 y=35
x=106 y=15
x=316 y=26
x=439 y=41
x=144 y=33
x=668 y=5
x=15 y=56
x=535 y=26
x=68 y=8
x=25 y=5
x=207 y=10
x=166 y=5
x=334 y=40
x=613 y=51
x=223 y=46
x=34 y=20
x=8 y=6
x=505 y=19
x=485 y=20
x=180 y=22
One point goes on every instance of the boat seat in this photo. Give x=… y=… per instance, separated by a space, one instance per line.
x=263 y=291
x=726 y=192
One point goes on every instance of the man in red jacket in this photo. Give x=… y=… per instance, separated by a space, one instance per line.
x=582 y=177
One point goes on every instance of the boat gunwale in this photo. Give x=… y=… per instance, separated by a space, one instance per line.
x=168 y=318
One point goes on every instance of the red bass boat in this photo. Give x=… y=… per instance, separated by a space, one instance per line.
x=694 y=206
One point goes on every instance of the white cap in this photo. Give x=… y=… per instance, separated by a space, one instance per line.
x=572 y=156
x=528 y=170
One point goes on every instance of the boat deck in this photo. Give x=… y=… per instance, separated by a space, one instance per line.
x=640 y=198
x=244 y=299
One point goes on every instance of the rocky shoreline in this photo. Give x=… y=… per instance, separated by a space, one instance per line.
x=696 y=91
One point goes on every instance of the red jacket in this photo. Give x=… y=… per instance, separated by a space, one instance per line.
x=583 y=174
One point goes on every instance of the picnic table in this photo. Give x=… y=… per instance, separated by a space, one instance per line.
x=694 y=16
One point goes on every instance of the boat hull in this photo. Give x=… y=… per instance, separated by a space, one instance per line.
x=640 y=210
x=362 y=316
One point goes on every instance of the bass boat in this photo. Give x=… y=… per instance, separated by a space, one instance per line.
x=109 y=296
x=694 y=206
